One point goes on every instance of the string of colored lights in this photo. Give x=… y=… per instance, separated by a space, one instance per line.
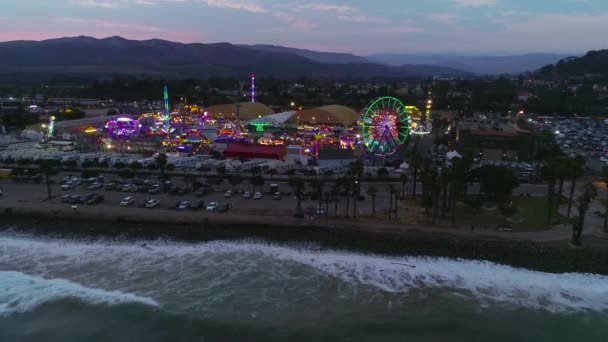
x=252 y=87
x=167 y=110
x=51 y=126
x=429 y=105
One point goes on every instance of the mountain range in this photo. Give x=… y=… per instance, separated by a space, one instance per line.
x=480 y=65
x=592 y=63
x=115 y=55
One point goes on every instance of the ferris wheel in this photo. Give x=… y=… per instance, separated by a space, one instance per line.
x=385 y=126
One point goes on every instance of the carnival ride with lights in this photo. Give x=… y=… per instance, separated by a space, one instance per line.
x=123 y=128
x=385 y=126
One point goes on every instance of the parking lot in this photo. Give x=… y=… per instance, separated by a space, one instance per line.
x=245 y=199
x=584 y=136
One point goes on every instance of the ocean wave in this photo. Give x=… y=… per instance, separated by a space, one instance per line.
x=478 y=280
x=20 y=293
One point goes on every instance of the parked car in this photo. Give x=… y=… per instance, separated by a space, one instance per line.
x=127 y=201
x=247 y=195
x=152 y=203
x=173 y=205
x=95 y=186
x=76 y=199
x=257 y=196
x=95 y=199
x=197 y=205
x=228 y=194
x=129 y=188
x=276 y=196
x=112 y=186
x=212 y=206
x=183 y=205
x=223 y=207
x=70 y=185
x=201 y=192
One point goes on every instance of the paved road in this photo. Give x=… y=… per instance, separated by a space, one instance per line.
x=33 y=197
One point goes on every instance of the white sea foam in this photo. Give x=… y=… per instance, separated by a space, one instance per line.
x=481 y=280
x=20 y=293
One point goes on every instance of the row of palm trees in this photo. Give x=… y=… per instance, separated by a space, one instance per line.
x=555 y=171
x=441 y=187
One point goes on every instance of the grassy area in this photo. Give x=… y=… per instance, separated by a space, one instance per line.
x=534 y=211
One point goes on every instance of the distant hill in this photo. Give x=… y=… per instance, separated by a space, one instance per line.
x=480 y=65
x=115 y=55
x=321 y=57
x=594 y=62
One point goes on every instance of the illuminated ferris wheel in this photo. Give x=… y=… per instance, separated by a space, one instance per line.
x=386 y=126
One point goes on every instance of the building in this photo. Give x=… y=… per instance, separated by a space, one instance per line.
x=69 y=126
x=332 y=114
x=298 y=154
x=255 y=152
x=494 y=138
x=326 y=115
x=242 y=111
x=335 y=157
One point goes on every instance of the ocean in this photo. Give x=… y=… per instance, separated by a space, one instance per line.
x=101 y=289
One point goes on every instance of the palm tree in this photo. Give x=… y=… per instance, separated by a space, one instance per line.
x=445 y=178
x=49 y=169
x=371 y=190
x=429 y=188
x=327 y=198
x=576 y=171
x=415 y=168
x=317 y=186
x=257 y=181
x=549 y=175
x=161 y=160
x=605 y=180
x=391 y=191
x=563 y=165
x=235 y=180
x=459 y=172
x=347 y=187
x=356 y=169
x=356 y=194
x=396 y=194
x=297 y=186
x=335 y=193
x=404 y=178
x=589 y=193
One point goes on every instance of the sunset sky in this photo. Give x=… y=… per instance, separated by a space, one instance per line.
x=357 y=26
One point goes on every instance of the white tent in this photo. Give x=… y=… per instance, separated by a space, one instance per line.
x=274 y=119
x=453 y=154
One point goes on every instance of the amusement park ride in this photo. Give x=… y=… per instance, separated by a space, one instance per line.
x=385 y=125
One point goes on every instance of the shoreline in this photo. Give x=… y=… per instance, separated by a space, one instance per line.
x=552 y=256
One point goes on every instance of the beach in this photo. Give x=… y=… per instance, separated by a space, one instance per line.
x=111 y=272
x=123 y=288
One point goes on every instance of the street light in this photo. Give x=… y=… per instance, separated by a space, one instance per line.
x=293 y=104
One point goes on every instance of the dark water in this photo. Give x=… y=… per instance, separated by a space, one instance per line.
x=114 y=290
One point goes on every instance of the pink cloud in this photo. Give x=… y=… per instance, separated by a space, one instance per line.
x=236 y=5
x=294 y=20
x=97 y=3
